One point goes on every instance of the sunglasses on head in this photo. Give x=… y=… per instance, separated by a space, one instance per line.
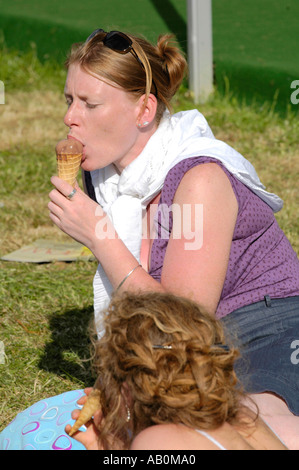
x=118 y=42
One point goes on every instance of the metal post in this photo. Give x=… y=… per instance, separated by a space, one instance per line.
x=2 y=93
x=200 y=48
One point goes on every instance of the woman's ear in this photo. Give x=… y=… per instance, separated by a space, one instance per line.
x=148 y=109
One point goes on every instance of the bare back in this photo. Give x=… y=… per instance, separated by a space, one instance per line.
x=256 y=436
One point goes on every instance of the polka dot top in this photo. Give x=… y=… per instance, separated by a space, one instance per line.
x=262 y=261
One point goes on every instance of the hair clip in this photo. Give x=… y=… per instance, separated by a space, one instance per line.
x=222 y=346
x=161 y=346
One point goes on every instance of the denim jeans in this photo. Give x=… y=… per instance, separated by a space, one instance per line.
x=267 y=335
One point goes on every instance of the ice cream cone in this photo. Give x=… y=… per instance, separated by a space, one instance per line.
x=69 y=156
x=91 y=406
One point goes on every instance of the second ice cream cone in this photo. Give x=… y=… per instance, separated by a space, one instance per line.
x=91 y=406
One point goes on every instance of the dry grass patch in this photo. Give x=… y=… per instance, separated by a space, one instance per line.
x=32 y=119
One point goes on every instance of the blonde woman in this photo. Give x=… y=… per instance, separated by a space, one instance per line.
x=169 y=208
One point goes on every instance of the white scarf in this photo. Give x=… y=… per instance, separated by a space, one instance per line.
x=125 y=197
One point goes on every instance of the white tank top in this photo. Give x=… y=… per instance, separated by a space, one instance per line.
x=214 y=441
x=205 y=434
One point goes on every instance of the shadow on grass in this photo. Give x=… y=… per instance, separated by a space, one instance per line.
x=173 y=19
x=68 y=352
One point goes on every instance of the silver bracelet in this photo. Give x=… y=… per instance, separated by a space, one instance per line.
x=126 y=277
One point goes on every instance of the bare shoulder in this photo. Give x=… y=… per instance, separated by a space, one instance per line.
x=205 y=171
x=171 y=437
x=206 y=179
x=160 y=437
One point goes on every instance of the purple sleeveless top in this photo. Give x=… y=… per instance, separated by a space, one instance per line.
x=262 y=261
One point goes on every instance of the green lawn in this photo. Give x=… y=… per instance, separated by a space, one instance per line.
x=255 y=41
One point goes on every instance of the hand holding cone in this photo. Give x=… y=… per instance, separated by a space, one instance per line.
x=69 y=156
x=91 y=406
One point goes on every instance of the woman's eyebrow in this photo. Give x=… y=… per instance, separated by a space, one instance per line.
x=82 y=97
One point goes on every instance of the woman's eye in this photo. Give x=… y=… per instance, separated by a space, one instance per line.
x=91 y=106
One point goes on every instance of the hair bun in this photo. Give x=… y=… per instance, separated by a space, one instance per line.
x=174 y=62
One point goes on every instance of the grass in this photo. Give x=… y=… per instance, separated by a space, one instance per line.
x=248 y=49
x=46 y=308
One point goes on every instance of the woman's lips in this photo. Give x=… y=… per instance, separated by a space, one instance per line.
x=74 y=138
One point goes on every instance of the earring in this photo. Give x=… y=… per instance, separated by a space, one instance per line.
x=144 y=124
x=128 y=414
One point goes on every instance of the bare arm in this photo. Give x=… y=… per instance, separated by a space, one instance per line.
x=199 y=271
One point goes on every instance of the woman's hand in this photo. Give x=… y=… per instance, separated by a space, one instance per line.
x=78 y=216
x=85 y=221
x=90 y=437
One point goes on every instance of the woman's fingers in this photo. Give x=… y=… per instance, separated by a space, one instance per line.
x=62 y=186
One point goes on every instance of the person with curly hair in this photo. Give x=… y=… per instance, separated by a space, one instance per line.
x=167 y=381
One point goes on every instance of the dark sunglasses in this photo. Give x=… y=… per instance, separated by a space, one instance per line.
x=119 y=42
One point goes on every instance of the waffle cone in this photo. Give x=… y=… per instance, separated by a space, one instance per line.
x=69 y=156
x=91 y=406
x=68 y=167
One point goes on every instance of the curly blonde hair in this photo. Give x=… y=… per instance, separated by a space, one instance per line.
x=191 y=381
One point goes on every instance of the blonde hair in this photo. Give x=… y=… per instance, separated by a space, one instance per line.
x=164 y=67
x=192 y=383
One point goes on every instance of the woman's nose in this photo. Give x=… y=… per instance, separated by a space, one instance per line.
x=71 y=116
